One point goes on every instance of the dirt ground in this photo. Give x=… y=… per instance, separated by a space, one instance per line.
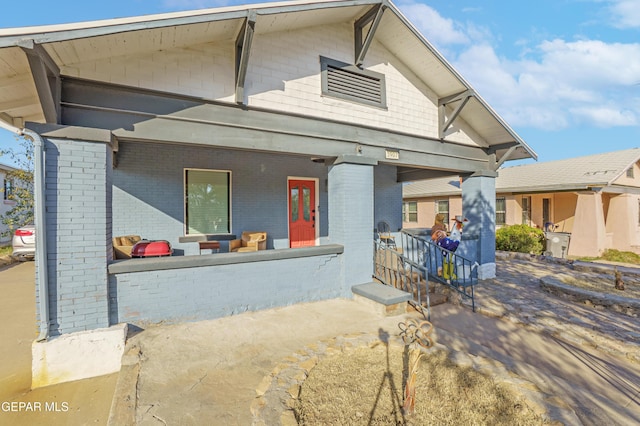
x=339 y=391
x=75 y=403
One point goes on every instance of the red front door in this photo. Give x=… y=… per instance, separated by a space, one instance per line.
x=302 y=213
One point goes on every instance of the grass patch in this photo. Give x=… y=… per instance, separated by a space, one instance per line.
x=7 y=250
x=611 y=255
x=364 y=387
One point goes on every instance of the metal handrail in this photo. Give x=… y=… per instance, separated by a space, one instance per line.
x=392 y=268
x=442 y=265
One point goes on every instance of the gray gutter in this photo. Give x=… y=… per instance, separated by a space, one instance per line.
x=41 y=232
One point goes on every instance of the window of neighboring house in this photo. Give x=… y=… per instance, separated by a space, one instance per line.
x=7 y=190
x=526 y=210
x=207 y=195
x=501 y=211
x=546 y=211
x=630 y=172
x=442 y=206
x=345 y=81
x=410 y=211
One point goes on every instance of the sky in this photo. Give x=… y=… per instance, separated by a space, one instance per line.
x=564 y=74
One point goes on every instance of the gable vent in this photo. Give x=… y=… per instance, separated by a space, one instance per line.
x=348 y=82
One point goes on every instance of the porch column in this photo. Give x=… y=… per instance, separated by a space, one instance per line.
x=479 y=207
x=78 y=165
x=77 y=221
x=622 y=222
x=350 y=187
x=588 y=234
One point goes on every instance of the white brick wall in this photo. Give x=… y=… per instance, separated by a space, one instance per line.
x=283 y=74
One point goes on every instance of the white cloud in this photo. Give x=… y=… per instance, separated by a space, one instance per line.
x=438 y=30
x=626 y=13
x=554 y=85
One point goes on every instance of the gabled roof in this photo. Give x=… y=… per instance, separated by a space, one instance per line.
x=67 y=44
x=579 y=173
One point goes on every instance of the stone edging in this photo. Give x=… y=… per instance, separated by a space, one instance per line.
x=278 y=392
x=620 y=304
x=577 y=265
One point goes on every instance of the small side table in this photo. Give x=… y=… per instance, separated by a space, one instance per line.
x=214 y=246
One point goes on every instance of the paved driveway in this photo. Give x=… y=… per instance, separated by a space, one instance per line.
x=75 y=403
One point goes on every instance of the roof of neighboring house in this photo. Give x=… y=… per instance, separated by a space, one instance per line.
x=59 y=47
x=579 y=173
x=7 y=168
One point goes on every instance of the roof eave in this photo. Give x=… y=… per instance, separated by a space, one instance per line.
x=462 y=81
x=65 y=32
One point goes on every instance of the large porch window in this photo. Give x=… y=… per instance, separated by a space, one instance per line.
x=207 y=197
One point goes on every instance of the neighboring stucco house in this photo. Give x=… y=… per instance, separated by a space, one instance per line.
x=6 y=203
x=299 y=119
x=595 y=198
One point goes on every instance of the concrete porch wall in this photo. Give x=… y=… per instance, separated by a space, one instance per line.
x=225 y=284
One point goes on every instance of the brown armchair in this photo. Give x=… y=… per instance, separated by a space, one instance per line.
x=122 y=246
x=250 y=241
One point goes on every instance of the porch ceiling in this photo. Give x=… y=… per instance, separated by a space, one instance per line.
x=70 y=44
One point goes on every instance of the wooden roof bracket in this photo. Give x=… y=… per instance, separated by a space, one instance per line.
x=510 y=147
x=243 y=49
x=46 y=76
x=444 y=123
x=362 y=44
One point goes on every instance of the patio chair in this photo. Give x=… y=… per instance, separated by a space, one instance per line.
x=250 y=241
x=384 y=234
x=122 y=246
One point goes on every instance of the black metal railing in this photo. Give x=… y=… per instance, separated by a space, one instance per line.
x=442 y=265
x=392 y=268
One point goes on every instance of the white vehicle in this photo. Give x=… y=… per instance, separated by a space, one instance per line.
x=24 y=243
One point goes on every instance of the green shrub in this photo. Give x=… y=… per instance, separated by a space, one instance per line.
x=521 y=239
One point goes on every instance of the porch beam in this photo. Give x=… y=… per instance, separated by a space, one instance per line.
x=46 y=76
x=134 y=114
x=445 y=124
x=410 y=175
x=243 y=49
x=284 y=134
x=373 y=16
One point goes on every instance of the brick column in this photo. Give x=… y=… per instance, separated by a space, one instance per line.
x=78 y=226
x=479 y=207
x=350 y=187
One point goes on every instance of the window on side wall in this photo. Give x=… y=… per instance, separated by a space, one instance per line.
x=442 y=207
x=501 y=211
x=410 y=211
x=207 y=197
x=526 y=210
x=7 y=190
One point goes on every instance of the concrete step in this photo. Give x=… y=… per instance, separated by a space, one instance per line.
x=387 y=300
